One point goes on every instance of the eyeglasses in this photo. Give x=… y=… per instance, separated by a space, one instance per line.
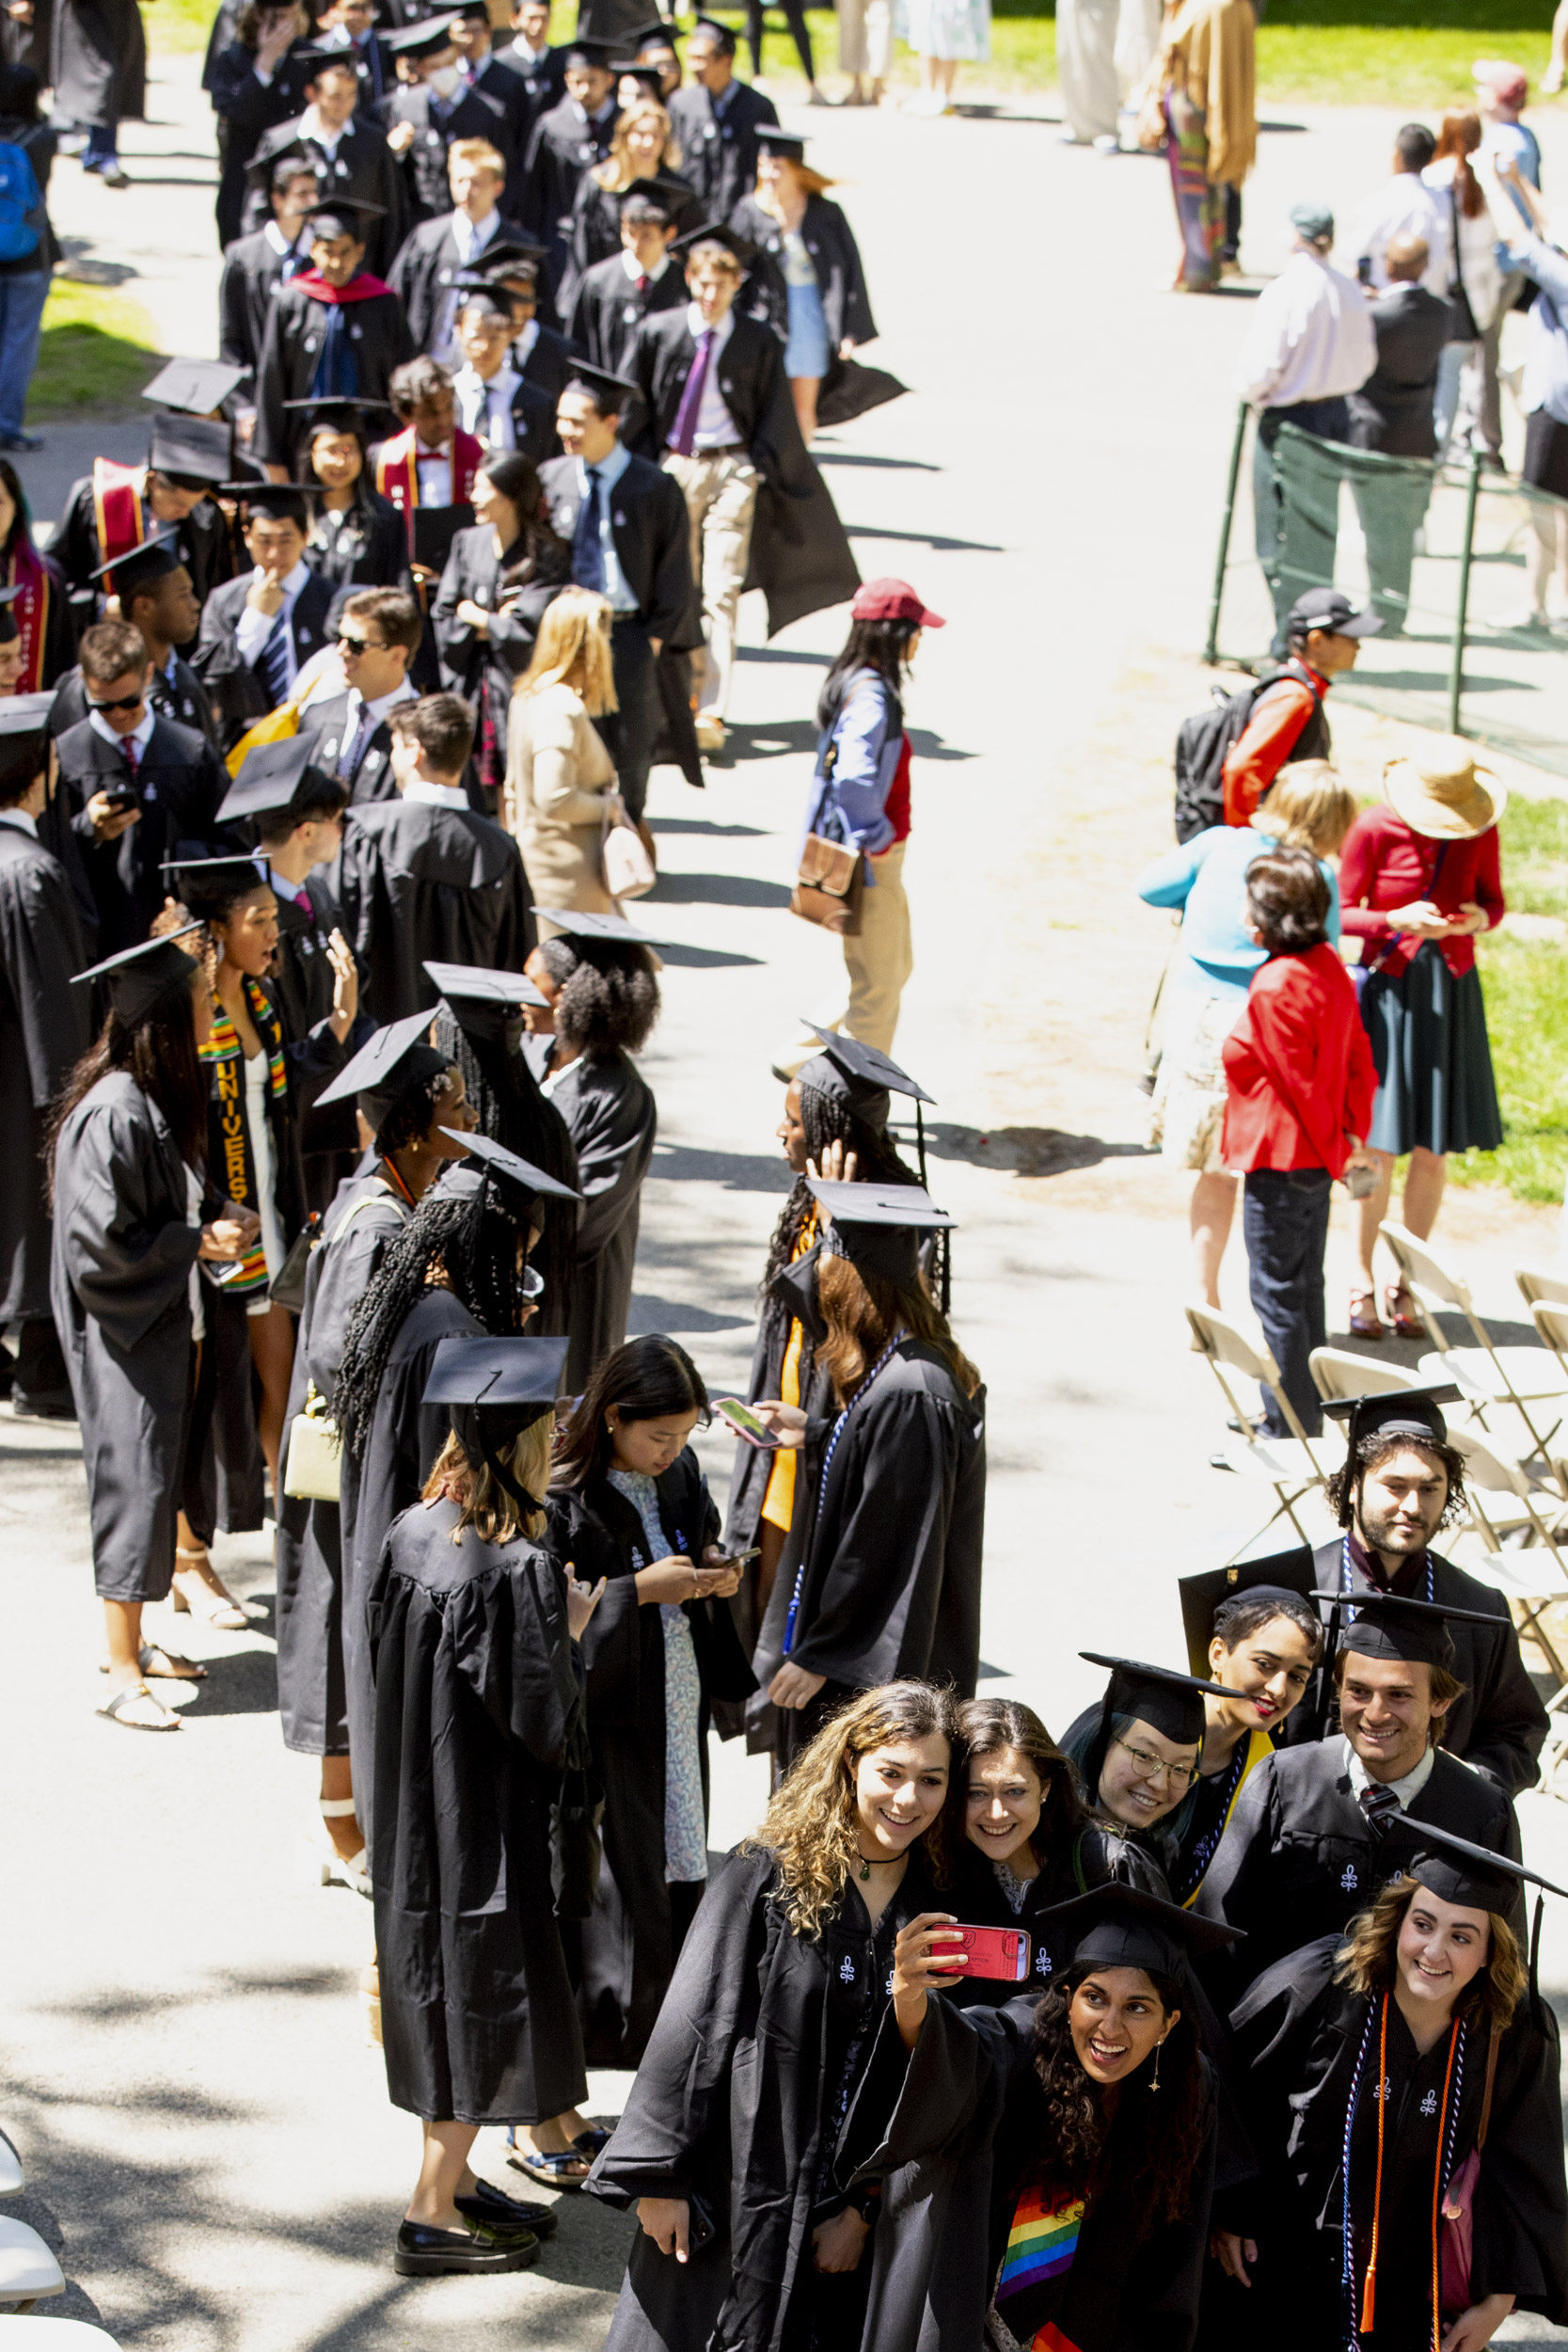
x=1153 y=1768
x=360 y=645
x=120 y=702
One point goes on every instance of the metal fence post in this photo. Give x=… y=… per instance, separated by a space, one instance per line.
x=1456 y=675
x=1211 y=648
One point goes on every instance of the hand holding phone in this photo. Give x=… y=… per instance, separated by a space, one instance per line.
x=744 y=1423
x=1000 y=1954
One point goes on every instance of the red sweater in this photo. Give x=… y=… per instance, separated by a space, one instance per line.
x=1384 y=864
x=1298 y=1067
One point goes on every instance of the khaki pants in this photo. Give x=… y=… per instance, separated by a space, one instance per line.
x=866 y=37
x=721 y=492
x=877 y=963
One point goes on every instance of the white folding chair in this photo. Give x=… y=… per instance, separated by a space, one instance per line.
x=1530 y=1571
x=1551 y=1320
x=1485 y=1375
x=28 y=2271
x=1542 y=1282
x=1337 y=1374
x=65 y=2335
x=10 y=2168
x=1292 y=1466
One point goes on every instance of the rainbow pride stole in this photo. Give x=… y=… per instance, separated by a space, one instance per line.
x=1040 y=2244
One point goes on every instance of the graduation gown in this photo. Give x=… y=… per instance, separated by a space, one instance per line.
x=739 y=2101
x=416 y=881
x=373 y=779
x=302 y=982
x=312 y=1703
x=544 y=357
x=246 y=110
x=543 y=81
x=1098 y=1854
x=44 y=1031
x=237 y=689
x=120 y=1288
x=470 y=663
x=176 y=694
x=374 y=341
x=405 y=1437
x=426 y=264
x=800 y=557
x=98 y=62
x=45 y=618
x=719 y=145
x=362 y=169
x=594 y=235
x=476 y=1702
x=178 y=786
x=1299 y=2036
x=1497 y=1724
x=612 y=1115
x=362 y=546
x=252 y=269
x=888 y=1558
x=475 y=115
x=609 y=308
x=199 y=540
x=848 y=389
x=625 y=1952
x=563 y=145
x=1300 y=1858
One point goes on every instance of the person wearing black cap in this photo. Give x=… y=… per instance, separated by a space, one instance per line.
x=38 y=606
x=1304 y=1845
x=412 y=1101
x=658 y=45
x=352 y=160
x=1436 y=2209
x=614 y=297
x=880 y=1576
x=479 y=1026
x=538 y=353
x=379 y=634
x=44 y=1031
x=336 y=332
x=718 y=415
x=255 y=266
x=435 y=252
x=626 y=524
x=1138 y=1750
x=480 y=69
x=476 y=1633
x=717 y=120
x=565 y=142
x=1054 y=2158
x=425 y=874
x=499 y=579
x=807 y=279
x=643 y=148
x=493 y=402
x=116 y=507
x=435 y=107
x=136 y=784
x=1285 y=720
x=726 y=2147
x=628 y=1503
x=256 y=82
x=834 y=1124
x=154 y=591
x=131 y=1219
x=258 y=632
x=357 y=538
x=350 y=25
x=540 y=67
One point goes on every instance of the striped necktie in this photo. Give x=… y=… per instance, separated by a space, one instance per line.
x=1381 y=1807
x=275 y=661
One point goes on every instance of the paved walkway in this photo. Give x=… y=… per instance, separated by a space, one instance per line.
x=206 y=2132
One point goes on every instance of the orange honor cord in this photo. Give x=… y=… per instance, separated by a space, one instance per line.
x=1437 y=2187
x=1368 y=2290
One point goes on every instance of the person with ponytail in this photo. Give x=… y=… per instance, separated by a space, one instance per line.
x=880 y=1575
x=134 y=1210
x=474 y=1633
x=1420 y=2219
x=729 y=2148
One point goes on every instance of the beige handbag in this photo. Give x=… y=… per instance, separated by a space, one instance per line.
x=628 y=870
x=312 y=1471
x=829 y=886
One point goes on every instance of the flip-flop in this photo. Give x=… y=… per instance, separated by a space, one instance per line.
x=113 y=1711
x=146 y=1657
x=548 y=2170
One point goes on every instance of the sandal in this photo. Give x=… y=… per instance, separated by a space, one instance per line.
x=1407 y=1325
x=163 y=1665
x=1364 y=1323
x=549 y=2172
x=117 y=1710
x=589 y=2143
x=207 y=1596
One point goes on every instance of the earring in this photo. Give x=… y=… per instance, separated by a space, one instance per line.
x=1154 y=2081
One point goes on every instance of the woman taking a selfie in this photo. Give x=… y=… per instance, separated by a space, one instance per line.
x=727 y=2146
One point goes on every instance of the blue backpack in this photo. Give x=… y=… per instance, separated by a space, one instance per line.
x=21 y=205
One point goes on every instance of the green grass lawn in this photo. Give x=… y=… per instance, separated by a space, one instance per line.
x=1527 y=1012
x=97 y=352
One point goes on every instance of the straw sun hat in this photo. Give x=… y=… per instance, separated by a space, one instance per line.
x=1439 y=790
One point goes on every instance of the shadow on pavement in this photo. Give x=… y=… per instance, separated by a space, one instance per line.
x=1028 y=1150
x=924 y=539
x=649 y=1313
x=738 y=1171
x=855 y=458
x=245 y=1684
x=719 y=890
x=703 y=958
x=706 y=824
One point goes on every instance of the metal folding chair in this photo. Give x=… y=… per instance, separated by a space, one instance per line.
x=1530 y=1572
x=1527 y=1378
x=1292 y=1466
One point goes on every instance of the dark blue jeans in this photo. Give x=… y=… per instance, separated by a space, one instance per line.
x=1285 y=1225
x=22 y=301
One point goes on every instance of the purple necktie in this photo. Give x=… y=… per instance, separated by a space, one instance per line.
x=684 y=433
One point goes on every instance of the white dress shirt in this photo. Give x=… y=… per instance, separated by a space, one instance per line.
x=434 y=467
x=281 y=245
x=140 y=736
x=1404 y=206
x=485 y=408
x=1311 y=338
x=312 y=127
x=636 y=272
x=20 y=819
x=435 y=795
x=253 y=628
x=1407 y=1790
x=609 y=471
x=715 y=424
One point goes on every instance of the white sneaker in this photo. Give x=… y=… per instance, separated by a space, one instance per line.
x=711 y=733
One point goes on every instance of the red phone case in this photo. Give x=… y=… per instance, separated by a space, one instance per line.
x=1001 y=1953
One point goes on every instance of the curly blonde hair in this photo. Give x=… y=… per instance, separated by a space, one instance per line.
x=483 y=1502
x=1366 y=1960
x=617 y=171
x=810 y=1824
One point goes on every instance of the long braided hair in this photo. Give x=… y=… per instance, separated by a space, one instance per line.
x=829 y=1118
x=505 y=1097
x=471 y=1237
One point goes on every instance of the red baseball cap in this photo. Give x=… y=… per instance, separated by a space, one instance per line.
x=892 y=600
x=1509 y=82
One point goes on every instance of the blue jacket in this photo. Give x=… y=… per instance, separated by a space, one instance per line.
x=857 y=758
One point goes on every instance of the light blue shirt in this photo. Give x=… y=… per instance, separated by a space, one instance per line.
x=1545 y=382
x=1207 y=877
x=609 y=471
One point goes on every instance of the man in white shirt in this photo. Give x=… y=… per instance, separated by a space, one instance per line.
x=494 y=402
x=425 y=272
x=258 y=632
x=1405 y=207
x=378 y=636
x=1310 y=343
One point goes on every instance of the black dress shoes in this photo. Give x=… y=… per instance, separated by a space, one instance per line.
x=423 y=2253
x=490 y=2208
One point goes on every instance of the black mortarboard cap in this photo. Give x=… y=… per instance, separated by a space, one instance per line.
x=344 y=216
x=772 y=141
x=478 y=8
x=1459 y=1872
x=482 y=294
x=259 y=170
x=720 y=33
x=1390 y=1413
x=614 y=928
x=389 y=1063
x=715 y=232
x=463 y=984
x=1292 y=1572
x=498 y=259
x=341 y=416
x=1170 y=1703
x=1386 y=1625
x=198 y=387
x=637 y=70
x=509 y=1170
x=423 y=40
x=866 y=1064
x=876 y=1226
x=137 y=977
x=153 y=561
x=612 y=392
x=590 y=53
x=206 y=880
x=315 y=57
x=23 y=725
x=194 y=451
x=1116 y=1925
x=657 y=33
x=674 y=200
x=503 y=1370
x=272 y=498
x=270 y=777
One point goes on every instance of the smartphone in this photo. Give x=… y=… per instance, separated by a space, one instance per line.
x=701 y=2228
x=744 y=1422
x=740 y=1559
x=999 y=1953
x=120 y=802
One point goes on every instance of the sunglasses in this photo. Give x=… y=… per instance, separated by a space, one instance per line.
x=359 y=644
x=124 y=702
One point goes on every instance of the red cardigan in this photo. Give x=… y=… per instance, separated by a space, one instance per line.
x=1301 y=1021
x=1384 y=864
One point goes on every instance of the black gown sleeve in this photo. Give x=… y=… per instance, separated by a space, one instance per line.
x=128 y=1262
x=1520 y=2245
x=40 y=953
x=889 y=1544
x=1511 y=1723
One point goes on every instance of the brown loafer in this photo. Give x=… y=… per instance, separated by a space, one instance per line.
x=1364 y=1323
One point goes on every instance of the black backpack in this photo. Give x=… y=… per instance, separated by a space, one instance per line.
x=1205 y=741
